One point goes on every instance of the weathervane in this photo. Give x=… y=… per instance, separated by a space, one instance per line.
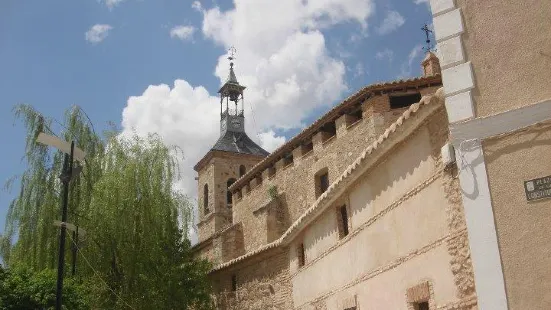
x=232 y=51
x=426 y=29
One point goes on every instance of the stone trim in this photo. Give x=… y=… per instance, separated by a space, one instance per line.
x=468 y=303
x=440 y=7
x=458 y=81
x=393 y=264
x=422 y=292
x=418 y=293
x=448 y=25
x=451 y=52
x=508 y=121
x=350 y=302
x=459 y=107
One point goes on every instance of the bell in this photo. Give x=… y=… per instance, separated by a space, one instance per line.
x=234 y=97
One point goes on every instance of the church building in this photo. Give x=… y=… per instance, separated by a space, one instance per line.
x=419 y=194
x=360 y=209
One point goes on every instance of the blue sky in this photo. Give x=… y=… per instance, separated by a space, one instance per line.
x=156 y=65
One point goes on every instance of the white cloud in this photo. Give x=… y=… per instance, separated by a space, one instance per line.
x=385 y=54
x=393 y=20
x=97 y=33
x=182 y=32
x=269 y=141
x=407 y=66
x=196 y=5
x=283 y=60
x=359 y=70
x=112 y=3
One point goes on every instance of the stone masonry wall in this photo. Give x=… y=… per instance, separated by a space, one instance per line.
x=296 y=181
x=216 y=173
x=262 y=283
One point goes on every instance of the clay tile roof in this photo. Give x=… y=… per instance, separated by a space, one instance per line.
x=353 y=169
x=329 y=116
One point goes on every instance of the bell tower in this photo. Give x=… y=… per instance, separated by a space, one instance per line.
x=231 y=102
x=233 y=154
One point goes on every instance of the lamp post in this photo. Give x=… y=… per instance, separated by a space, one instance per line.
x=71 y=152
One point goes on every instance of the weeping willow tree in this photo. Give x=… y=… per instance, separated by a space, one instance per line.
x=136 y=254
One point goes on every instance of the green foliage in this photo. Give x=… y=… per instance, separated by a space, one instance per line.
x=22 y=289
x=272 y=192
x=136 y=253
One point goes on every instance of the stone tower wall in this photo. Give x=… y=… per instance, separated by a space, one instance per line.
x=216 y=173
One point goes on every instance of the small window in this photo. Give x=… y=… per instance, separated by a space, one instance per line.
x=321 y=181
x=229 y=199
x=242 y=170
x=288 y=159
x=301 y=255
x=357 y=112
x=234 y=283
x=330 y=128
x=324 y=182
x=343 y=221
x=421 y=306
x=271 y=172
x=403 y=101
x=206 y=199
x=308 y=147
x=258 y=180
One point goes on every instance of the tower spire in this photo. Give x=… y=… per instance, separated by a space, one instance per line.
x=231 y=91
x=231 y=77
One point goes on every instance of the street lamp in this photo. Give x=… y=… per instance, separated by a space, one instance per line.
x=71 y=152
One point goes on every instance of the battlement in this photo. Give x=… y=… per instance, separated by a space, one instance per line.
x=297 y=172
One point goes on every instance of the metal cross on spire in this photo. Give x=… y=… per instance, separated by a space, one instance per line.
x=232 y=51
x=426 y=29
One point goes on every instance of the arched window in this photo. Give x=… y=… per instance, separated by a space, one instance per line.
x=206 y=198
x=242 y=170
x=229 y=199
